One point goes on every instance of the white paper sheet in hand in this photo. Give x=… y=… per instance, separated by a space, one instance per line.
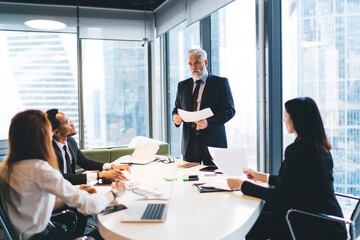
x=196 y=115
x=231 y=162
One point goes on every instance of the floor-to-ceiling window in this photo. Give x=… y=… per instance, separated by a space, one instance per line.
x=157 y=92
x=115 y=80
x=233 y=55
x=181 y=39
x=38 y=71
x=321 y=56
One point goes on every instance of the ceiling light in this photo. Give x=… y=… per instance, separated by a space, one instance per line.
x=43 y=24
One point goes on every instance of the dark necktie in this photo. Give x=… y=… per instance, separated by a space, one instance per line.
x=195 y=97
x=67 y=159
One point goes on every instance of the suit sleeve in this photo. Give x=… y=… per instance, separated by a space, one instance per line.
x=81 y=159
x=177 y=102
x=273 y=179
x=86 y=163
x=285 y=185
x=227 y=109
x=76 y=179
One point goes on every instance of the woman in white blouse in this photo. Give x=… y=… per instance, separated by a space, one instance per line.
x=30 y=180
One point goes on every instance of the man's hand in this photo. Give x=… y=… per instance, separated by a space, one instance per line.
x=177 y=119
x=202 y=124
x=120 y=167
x=112 y=175
x=87 y=188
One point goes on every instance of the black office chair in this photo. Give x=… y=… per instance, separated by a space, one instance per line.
x=67 y=219
x=354 y=221
x=9 y=232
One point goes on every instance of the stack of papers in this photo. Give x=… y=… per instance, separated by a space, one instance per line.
x=218 y=184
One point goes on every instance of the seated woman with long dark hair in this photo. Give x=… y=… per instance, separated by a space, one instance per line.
x=305 y=181
x=30 y=180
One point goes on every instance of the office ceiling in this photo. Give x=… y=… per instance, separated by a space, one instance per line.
x=149 y=5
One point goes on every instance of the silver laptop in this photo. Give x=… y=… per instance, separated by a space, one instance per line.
x=145 y=212
x=148 y=211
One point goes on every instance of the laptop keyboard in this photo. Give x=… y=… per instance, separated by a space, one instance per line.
x=153 y=211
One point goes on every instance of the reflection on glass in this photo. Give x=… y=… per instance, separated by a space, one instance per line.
x=233 y=55
x=38 y=71
x=321 y=56
x=181 y=39
x=116 y=106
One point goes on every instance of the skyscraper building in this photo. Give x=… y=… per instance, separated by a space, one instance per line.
x=321 y=47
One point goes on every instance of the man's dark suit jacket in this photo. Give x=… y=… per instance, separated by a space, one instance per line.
x=217 y=96
x=305 y=182
x=77 y=158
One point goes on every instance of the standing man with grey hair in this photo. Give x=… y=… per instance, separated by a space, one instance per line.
x=202 y=91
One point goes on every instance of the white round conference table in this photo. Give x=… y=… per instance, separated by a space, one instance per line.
x=190 y=215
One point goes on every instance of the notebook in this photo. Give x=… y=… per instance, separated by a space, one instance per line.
x=142 y=155
x=202 y=189
x=147 y=211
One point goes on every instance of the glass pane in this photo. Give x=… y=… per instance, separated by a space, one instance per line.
x=234 y=56
x=38 y=71
x=321 y=56
x=181 y=39
x=307 y=7
x=339 y=6
x=353 y=6
x=116 y=105
x=325 y=7
x=157 y=93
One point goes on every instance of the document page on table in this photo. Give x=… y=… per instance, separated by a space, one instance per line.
x=196 y=115
x=218 y=183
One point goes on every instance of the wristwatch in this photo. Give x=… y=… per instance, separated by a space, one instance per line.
x=115 y=193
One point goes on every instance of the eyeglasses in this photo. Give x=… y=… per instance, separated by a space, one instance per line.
x=166 y=159
x=67 y=122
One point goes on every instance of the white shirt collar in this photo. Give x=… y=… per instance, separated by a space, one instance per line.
x=61 y=145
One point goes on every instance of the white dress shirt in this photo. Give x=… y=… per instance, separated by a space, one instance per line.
x=34 y=184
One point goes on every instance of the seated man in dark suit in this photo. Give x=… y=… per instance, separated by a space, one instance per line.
x=69 y=155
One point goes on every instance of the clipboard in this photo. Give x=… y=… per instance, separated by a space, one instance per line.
x=208 y=190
